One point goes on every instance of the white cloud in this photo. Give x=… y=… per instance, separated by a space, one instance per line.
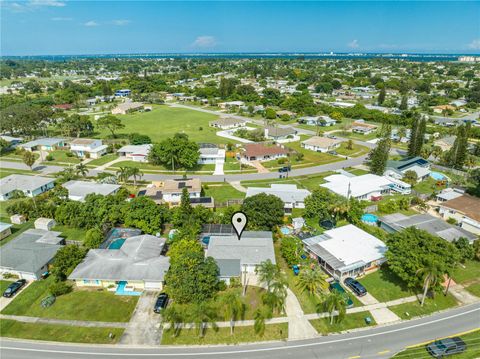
x=204 y=41
x=474 y=45
x=31 y=5
x=91 y=23
x=54 y=3
x=62 y=18
x=120 y=22
x=353 y=44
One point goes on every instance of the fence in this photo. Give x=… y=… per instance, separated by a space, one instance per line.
x=230 y=202
x=452 y=170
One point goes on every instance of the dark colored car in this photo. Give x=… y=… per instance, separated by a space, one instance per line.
x=161 y=303
x=445 y=347
x=284 y=169
x=14 y=288
x=355 y=286
x=335 y=286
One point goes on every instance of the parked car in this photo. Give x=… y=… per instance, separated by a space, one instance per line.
x=335 y=286
x=355 y=286
x=161 y=303
x=296 y=270
x=284 y=169
x=14 y=288
x=445 y=347
x=333 y=153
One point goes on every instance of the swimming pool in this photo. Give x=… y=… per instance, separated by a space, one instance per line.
x=206 y=240
x=286 y=230
x=437 y=176
x=369 y=218
x=117 y=243
x=117 y=236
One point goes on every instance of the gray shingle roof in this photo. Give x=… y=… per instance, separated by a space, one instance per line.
x=80 y=189
x=23 y=183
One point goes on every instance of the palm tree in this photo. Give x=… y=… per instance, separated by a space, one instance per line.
x=81 y=170
x=174 y=317
x=135 y=172
x=260 y=316
x=267 y=273
x=312 y=281
x=340 y=207
x=123 y=174
x=334 y=302
x=232 y=307
x=203 y=314
x=430 y=274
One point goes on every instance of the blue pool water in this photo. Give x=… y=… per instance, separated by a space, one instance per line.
x=437 y=176
x=121 y=290
x=369 y=218
x=286 y=230
x=206 y=240
x=117 y=244
x=117 y=236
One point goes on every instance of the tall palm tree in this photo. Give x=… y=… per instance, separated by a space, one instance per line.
x=340 y=207
x=175 y=318
x=203 y=314
x=81 y=170
x=232 y=307
x=334 y=302
x=135 y=172
x=430 y=274
x=312 y=281
x=260 y=316
x=123 y=174
x=267 y=273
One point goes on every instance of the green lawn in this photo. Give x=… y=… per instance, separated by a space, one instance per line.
x=61 y=157
x=78 y=305
x=15 y=156
x=357 y=171
x=467 y=272
x=356 y=136
x=385 y=285
x=3 y=285
x=427 y=186
x=351 y=321
x=102 y=160
x=431 y=305
x=356 y=151
x=72 y=234
x=147 y=167
x=309 y=182
x=474 y=289
x=252 y=300
x=222 y=192
x=58 y=333
x=165 y=121
x=222 y=336
x=471 y=339
x=4 y=172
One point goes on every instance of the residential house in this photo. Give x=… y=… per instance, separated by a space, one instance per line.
x=442 y=108
x=79 y=190
x=397 y=222
x=85 y=147
x=44 y=144
x=5 y=230
x=210 y=154
x=127 y=107
x=279 y=133
x=398 y=169
x=123 y=93
x=29 y=255
x=360 y=126
x=346 y=251
x=135 y=266
x=170 y=192
x=227 y=123
x=291 y=196
x=136 y=153
x=31 y=186
x=321 y=144
x=12 y=141
x=465 y=209
x=449 y=193
x=230 y=104
x=261 y=152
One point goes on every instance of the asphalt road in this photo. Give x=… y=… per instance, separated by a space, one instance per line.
x=381 y=342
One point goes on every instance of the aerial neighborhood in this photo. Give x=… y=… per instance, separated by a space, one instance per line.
x=359 y=180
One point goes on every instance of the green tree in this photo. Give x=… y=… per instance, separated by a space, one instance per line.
x=410 y=177
x=270 y=114
x=264 y=211
x=381 y=96
x=312 y=282
x=175 y=317
x=111 y=123
x=93 y=238
x=291 y=248
x=232 y=307
x=260 y=316
x=430 y=274
x=135 y=172
x=334 y=303
x=350 y=145
x=143 y=213
x=417 y=135
x=123 y=174
x=457 y=155
x=65 y=260
x=403 y=103
x=203 y=314
x=81 y=170
x=465 y=249
x=378 y=157
x=317 y=204
x=175 y=152
x=29 y=159
x=268 y=273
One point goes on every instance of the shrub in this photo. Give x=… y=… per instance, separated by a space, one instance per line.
x=282 y=161
x=452 y=220
x=49 y=157
x=60 y=288
x=10 y=276
x=69 y=154
x=93 y=238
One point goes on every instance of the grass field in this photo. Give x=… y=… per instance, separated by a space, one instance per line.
x=385 y=285
x=4 y=172
x=165 y=121
x=3 y=285
x=356 y=151
x=351 y=321
x=467 y=272
x=102 y=160
x=222 y=192
x=59 y=333
x=311 y=182
x=61 y=157
x=222 y=336
x=471 y=339
x=474 y=289
x=147 y=167
x=77 y=305
x=72 y=234
x=431 y=305
x=356 y=136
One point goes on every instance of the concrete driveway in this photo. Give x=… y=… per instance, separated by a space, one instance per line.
x=5 y=301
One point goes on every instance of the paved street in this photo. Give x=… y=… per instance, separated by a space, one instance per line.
x=380 y=342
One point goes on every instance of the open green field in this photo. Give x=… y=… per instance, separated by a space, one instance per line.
x=223 y=336
x=222 y=192
x=356 y=151
x=385 y=285
x=413 y=309
x=471 y=339
x=351 y=321
x=78 y=305
x=165 y=121
x=59 y=333
x=427 y=186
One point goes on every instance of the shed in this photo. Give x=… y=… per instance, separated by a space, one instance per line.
x=45 y=223
x=18 y=219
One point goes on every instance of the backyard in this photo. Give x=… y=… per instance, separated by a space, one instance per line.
x=222 y=192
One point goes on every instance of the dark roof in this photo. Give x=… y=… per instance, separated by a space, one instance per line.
x=229 y=267
x=217 y=229
x=407 y=162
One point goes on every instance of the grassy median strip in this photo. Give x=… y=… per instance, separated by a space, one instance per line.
x=59 y=333
x=351 y=321
x=223 y=336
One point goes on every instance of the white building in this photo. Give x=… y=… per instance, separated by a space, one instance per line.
x=227 y=123
x=346 y=251
x=78 y=190
x=210 y=154
x=321 y=144
x=291 y=196
x=465 y=210
x=85 y=147
x=31 y=186
x=137 y=153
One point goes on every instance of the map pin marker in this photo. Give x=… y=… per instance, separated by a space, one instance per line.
x=239 y=223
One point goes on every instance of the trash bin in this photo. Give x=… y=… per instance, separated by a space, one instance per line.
x=368 y=320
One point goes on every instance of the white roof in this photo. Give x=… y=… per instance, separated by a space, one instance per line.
x=98 y=149
x=78 y=190
x=288 y=193
x=420 y=171
x=23 y=183
x=138 y=150
x=4 y=226
x=450 y=193
x=350 y=244
x=359 y=185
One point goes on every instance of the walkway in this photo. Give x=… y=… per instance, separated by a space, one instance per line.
x=461 y=294
x=258 y=165
x=73 y=323
x=144 y=327
x=109 y=164
x=237 y=185
x=219 y=167
x=298 y=325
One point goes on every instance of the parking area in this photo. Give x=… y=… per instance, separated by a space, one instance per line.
x=5 y=301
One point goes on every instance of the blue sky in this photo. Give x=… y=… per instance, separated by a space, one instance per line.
x=45 y=27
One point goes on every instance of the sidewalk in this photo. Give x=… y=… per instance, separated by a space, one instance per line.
x=73 y=323
x=298 y=325
x=237 y=185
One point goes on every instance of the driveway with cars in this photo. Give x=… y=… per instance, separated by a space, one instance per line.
x=5 y=301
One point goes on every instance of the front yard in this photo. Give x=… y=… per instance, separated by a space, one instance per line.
x=222 y=192
x=385 y=285
x=413 y=309
x=351 y=321
x=62 y=157
x=149 y=168
x=356 y=151
x=102 y=160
